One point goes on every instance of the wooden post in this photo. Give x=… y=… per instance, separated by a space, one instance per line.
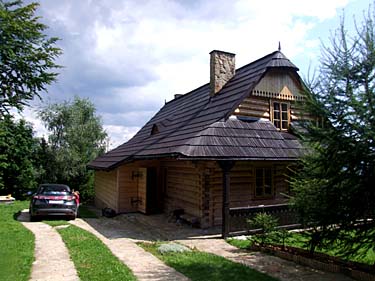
x=226 y=166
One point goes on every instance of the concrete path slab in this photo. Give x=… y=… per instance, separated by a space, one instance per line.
x=52 y=260
x=271 y=265
x=144 y=265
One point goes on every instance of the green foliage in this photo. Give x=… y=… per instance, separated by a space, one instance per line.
x=77 y=137
x=18 y=150
x=301 y=240
x=16 y=244
x=335 y=188
x=92 y=259
x=26 y=55
x=204 y=266
x=240 y=243
x=85 y=212
x=267 y=225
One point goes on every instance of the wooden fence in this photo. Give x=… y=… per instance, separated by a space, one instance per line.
x=238 y=217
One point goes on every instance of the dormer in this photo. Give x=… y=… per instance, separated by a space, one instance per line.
x=274 y=96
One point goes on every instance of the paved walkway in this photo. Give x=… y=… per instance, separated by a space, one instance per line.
x=52 y=260
x=271 y=265
x=144 y=265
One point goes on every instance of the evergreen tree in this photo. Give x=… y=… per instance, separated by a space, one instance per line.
x=335 y=190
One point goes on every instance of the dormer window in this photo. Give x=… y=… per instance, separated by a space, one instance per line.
x=154 y=129
x=280 y=115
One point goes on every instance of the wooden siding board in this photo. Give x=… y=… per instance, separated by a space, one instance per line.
x=106 y=189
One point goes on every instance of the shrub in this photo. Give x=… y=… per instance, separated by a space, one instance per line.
x=266 y=223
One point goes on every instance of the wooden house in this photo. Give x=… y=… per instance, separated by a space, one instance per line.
x=225 y=144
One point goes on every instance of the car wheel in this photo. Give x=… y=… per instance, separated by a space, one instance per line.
x=72 y=218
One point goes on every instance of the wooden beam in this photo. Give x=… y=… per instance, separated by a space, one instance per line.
x=226 y=166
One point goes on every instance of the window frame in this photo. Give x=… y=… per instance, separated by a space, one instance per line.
x=280 y=111
x=264 y=183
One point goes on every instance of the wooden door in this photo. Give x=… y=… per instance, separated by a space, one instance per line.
x=142 y=183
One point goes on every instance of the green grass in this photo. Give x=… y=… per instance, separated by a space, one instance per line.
x=299 y=240
x=92 y=258
x=241 y=244
x=199 y=266
x=54 y=223
x=16 y=244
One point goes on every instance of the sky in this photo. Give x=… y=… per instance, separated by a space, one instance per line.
x=129 y=57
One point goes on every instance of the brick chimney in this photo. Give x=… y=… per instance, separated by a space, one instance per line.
x=222 y=69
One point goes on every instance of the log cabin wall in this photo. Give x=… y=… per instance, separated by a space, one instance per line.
x=195 y=187
x=106 y=189
x=183 y=187
x=242 y=187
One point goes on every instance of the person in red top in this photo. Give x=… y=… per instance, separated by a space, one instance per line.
x=76 y=194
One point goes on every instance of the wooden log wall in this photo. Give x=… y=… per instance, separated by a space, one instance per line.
x=242 y=187
x=195 y=187
x=254 y=107
x=106 y=190
x=183 y=187
x=142 y=188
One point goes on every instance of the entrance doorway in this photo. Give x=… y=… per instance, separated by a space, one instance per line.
x=152 y=192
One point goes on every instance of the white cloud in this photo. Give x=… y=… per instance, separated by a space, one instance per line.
x=129 y=56
x=119 y=134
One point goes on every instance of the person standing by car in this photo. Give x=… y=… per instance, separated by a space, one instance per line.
x=76 y=194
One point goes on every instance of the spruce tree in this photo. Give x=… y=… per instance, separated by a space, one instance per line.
x=335 y=189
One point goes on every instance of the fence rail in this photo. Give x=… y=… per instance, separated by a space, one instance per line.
x=238 y=216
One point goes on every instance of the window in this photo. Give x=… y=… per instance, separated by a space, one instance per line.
x=263 y=182
x=154 y=129
x=281 y=115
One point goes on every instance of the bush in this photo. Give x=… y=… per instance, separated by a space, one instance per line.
x=267 y=225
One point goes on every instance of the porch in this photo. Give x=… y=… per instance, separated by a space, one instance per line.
x=204 y=191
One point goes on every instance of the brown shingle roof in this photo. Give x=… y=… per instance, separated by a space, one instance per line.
x=197 y=126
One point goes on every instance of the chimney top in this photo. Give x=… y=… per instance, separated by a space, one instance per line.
x=222 y=69
x=222 y=52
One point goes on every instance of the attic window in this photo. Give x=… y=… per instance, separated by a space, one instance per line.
x=280 y=115
x=154 y=130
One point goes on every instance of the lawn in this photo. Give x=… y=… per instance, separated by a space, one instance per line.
x=199 y=266
x=16 y=244
x=299 y=240
x=92 y=259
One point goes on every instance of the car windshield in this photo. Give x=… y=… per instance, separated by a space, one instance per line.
x=54 y=190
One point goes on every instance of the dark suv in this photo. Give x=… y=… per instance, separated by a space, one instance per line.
x=53 y=200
